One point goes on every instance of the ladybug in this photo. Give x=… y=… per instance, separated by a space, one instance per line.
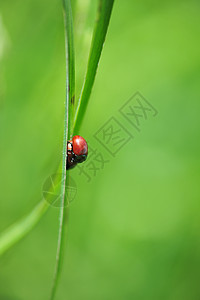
x=77 y=151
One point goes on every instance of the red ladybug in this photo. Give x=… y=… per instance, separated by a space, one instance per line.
x=77 y=151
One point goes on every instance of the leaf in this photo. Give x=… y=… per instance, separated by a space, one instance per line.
x=68 y=130
x=99 y=34
x=19 y=229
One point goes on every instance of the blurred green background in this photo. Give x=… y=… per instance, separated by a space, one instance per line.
x=134 y=230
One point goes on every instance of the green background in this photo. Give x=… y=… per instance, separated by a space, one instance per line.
x=134 y=230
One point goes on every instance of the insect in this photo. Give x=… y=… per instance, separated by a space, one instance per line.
x=77 y=151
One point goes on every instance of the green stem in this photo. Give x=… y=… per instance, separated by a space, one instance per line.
x=19 y=229
x=68 y=130
x=99 y=34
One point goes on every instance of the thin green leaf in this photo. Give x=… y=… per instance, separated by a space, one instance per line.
x=99 y=34
x=68 y=130
x=19 y=229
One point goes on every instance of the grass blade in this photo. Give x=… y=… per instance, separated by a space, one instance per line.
x=19 y=229
x=22 y=227
x=68 y=130
x=99 y=34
